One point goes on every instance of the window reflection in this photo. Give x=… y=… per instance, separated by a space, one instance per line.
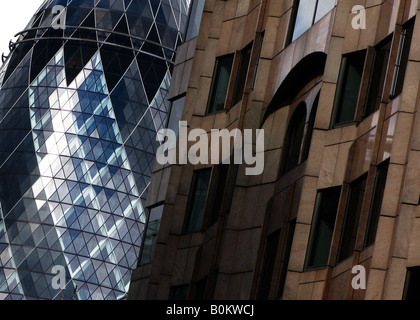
x=309 y=12
x=323 y=8
x=304 y=17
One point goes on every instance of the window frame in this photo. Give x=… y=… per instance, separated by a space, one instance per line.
x=265 y=281
x=382 y=166
x=186 y=229
x=314 y=226
x=356 y=218
x=341 y=83
x=216 y=194
x=294 y=16
x=368 y=107
x=310 y=125
x=296 y=126
x=210 y=109
x=241 y=74
x=153 y=236
x=398 y=77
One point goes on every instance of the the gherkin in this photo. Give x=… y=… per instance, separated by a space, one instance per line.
x=79 y=112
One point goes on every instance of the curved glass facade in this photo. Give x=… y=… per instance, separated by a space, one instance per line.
x=79 y=112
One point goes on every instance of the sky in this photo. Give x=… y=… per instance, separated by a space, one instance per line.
x=14 y=16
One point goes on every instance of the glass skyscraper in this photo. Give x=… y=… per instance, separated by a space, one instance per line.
x=79 y=110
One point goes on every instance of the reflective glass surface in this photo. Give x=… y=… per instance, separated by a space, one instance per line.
x=309 y=12
x=79 y=112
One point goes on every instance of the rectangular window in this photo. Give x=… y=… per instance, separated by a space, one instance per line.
x=286 y=257
x=241 y=75
x=375 y=208
x=197 y=200
x=152 y=230
x=348 y=87
x=179 y=292
x=257 y=62
x=270 y=254
x=377 y=77
x=307 y=13
x=221 y=174
x=200 y=289
x=351 y=219
x=402 y=59
x=412 y=284
x=325 y=213
x=220 y=84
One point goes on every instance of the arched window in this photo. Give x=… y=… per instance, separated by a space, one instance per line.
x=294 y=137
x=309 y=130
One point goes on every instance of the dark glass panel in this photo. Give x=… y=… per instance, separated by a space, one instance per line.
x=375 y=210
x=348 y=86
x=197 y=200
x=220 y=84
x=153 y=71
x=241 y=75
x=402 y=59
x=323 y=226
x=115 y=62
x=286 y=257
x=76 y=55
x=266 y=275
x=179 y=293
x=43 y=52
x=377 y=78
x=351 y=219
x=293 y=141
x=310 y=130
x=219 y=192
x=412 y=284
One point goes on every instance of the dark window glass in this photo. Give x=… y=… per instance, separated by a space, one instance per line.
x=241 y=76
x=152 y=230
x=76 y=56
x=412 y=284
x=267 y=269
x=220 y=84
x=220 y=186
x=200 y=288
x=310 y=130
x=323 y=223
x=351 y=220
x=179 y=292
x=375 y=210
x=43 y=52
x=348 y=86
x=293 y=142
x=286 y=257
x=309 y=12
x=377 y=78
x=402 y=59
x=257 y=62
x=197 y=200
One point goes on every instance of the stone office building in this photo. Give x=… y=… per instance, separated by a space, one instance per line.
x=337 y=96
